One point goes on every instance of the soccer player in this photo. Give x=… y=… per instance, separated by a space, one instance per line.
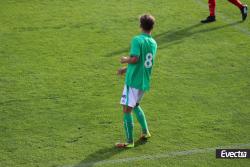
x=212 y=4
x=138 y=72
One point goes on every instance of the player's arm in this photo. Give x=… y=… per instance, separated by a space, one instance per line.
x=134 y=53
x=129 y=60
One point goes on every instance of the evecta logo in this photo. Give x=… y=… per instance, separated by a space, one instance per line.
x=232 y=153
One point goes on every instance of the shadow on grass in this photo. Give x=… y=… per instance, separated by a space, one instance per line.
x=174 y=37
x=102 y=155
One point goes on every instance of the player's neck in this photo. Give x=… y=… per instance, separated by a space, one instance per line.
x=146 y=32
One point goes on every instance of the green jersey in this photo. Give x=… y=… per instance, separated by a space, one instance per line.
x=138 y=75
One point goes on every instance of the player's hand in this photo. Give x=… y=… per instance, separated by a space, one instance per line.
x=121 y=71
x=124 y=59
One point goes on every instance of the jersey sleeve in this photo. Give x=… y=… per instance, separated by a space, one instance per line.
x=135 y=47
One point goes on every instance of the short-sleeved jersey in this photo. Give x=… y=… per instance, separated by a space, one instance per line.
x=138 y=75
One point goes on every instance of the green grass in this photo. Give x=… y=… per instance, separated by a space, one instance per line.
x=59 y=92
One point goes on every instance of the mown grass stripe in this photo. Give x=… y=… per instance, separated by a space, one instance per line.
x=156 y=156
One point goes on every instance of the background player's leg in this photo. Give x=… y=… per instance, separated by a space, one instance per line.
x=243 y=8
x=236 y=3
x=128 y=123
x=212 y=5
x=141 y=119
x=211 y=17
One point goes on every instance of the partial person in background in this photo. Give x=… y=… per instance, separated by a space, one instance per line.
x=212 y=5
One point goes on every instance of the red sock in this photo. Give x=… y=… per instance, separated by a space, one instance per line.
x=211 y=5
x=236 y=3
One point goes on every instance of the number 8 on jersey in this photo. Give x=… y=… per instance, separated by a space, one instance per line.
x=148 y=61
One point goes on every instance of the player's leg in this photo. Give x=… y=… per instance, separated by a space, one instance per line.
x=211 y=17
x=128 y=102
x=142 y=121
x=128 y=126
x=243 y=8
x=212 y=5
x=236 y=3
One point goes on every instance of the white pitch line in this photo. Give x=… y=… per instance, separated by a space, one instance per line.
x=227 y=20
x=157 y=156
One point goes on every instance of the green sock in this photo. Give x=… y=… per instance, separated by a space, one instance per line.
x=141 y=119
x=129 y=126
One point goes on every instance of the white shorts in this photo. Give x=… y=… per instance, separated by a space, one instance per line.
x=131 y=96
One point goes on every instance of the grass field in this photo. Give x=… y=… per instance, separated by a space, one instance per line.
x=59 y=92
